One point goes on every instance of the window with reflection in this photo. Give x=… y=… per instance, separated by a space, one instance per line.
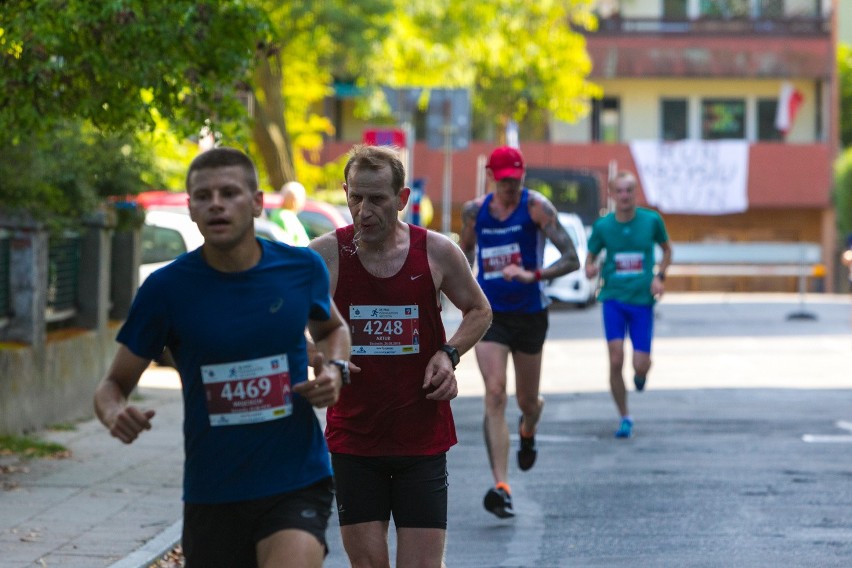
x=723 y=118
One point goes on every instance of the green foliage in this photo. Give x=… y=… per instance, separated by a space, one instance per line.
x=80 y=80
x=521 y=60
x=527 y=57
x=62 y=176
x=30 y=447
x=315 y=44
x=844 y=75
x=109 y=63
x=843 y=193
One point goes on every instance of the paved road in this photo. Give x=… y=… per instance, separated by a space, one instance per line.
x=718 y=474
x=741 y=456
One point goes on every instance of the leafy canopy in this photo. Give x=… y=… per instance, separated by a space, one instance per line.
x=514 y=55
x=109 y=63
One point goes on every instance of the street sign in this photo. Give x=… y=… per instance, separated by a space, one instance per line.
x=385 y=137
x=448 y=109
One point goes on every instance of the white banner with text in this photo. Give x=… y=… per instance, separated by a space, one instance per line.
x=697 y=177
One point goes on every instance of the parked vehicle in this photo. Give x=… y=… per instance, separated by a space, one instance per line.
x=168 y=234
x=573 y=288
x=318 y=217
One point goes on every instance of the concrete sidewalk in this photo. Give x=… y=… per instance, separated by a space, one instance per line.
x=107 y=504
x=120 y=506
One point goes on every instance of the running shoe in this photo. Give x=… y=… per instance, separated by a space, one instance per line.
x=625 y=429
x=527 y=451
x=639 y=381
x=498 y=502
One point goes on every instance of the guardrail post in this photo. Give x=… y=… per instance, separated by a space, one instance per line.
x=802 y=313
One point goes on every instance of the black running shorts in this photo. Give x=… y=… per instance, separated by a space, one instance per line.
x=225 y=535
x=413 y=489
x=521 y=332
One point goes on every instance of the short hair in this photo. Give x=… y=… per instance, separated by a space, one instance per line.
x=623 y=175
x=224 y=157
x=375 y=158
x=293 y=196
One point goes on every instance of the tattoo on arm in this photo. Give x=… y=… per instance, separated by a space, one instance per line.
x=553 y=229
x=468 y=234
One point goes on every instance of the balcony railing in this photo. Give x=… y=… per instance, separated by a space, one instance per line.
x=800 y=26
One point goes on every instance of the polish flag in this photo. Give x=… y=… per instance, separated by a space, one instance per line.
x=789 y=101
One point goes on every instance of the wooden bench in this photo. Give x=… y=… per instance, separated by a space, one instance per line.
x=747 y=259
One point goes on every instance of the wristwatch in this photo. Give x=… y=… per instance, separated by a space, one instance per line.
x=452 y=353
x=344 y=370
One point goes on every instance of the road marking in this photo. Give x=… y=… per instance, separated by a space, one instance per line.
x=829 y=439
x=557 y=439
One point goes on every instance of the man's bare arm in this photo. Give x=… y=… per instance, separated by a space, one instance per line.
x=453 y=277
x=467 y=240
x=124 y=421
x=546 y=217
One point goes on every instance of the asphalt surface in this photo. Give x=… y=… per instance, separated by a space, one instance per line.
x=741 y=456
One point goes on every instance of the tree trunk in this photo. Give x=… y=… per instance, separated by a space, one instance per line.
x=269 y=130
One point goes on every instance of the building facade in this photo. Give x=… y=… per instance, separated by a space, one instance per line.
x=687 y=75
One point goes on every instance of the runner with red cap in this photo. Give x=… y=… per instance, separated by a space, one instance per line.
x=504 y=232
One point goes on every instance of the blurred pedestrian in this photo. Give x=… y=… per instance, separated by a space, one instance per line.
x=630 y=287
x=506 y=230
x=233 y=313
x=293 y=198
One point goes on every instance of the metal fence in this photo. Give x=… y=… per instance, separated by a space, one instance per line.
x=62 y=277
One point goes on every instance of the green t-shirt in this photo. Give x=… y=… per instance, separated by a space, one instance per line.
x=628 y=267
x=289 y=221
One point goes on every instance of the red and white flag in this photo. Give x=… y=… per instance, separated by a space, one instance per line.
x=789 y=101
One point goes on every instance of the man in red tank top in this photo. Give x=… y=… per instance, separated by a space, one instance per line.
x=392 y=426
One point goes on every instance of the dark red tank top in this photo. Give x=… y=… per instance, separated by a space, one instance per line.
x=396 y=328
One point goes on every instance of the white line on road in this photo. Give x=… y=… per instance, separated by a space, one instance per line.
x=557 y=439
x=829 y=439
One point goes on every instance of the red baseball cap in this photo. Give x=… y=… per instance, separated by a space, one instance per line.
x=506 y=162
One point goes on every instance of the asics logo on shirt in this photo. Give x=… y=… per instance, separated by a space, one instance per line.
x=276 y=305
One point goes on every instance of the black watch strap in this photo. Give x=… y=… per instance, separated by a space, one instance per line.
x=452 y=353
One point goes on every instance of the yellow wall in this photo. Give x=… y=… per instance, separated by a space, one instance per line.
x=654 y=8
x=640 y=106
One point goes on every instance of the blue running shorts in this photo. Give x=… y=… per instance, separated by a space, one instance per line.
x=619 y=318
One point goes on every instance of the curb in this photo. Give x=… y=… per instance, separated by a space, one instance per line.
x=152 y=550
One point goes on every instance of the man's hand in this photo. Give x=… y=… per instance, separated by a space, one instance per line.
x=129 y=422
x=324 y=389
x=440 y=379
x=657 y=287
x=519 y=273
x=591 y=270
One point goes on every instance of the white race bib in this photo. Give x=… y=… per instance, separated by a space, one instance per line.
x=248 y=392
x=385 y=330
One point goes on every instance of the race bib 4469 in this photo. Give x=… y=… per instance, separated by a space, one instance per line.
x=247 y=392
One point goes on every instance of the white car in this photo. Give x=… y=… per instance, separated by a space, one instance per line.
x=168 y=234
x=574 y=287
